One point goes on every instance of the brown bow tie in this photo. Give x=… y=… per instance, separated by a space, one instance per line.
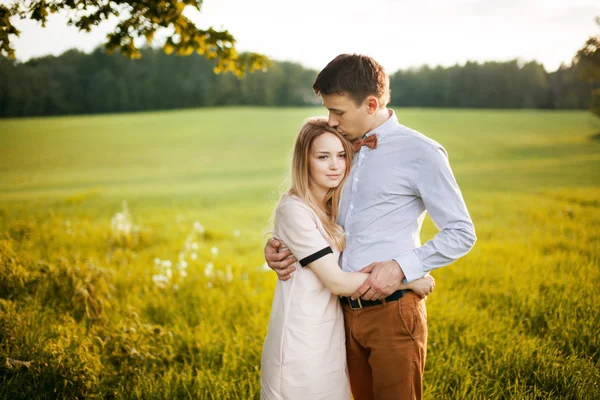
x=370 y=142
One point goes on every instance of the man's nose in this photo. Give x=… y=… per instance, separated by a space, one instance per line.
x=332 y=122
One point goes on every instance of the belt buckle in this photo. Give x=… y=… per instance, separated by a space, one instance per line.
x=359 y=303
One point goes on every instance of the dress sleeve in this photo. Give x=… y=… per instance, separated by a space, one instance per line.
x=295 y=225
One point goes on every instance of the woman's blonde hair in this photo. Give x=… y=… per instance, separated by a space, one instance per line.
x=300 y=184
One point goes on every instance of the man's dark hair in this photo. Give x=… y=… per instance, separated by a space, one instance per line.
x=357 y=75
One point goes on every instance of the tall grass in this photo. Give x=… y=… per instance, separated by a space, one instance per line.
x=166 y=296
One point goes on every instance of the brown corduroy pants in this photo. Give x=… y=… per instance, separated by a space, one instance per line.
x=386 y=346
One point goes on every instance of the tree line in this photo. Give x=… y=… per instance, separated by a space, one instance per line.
x=80 y=83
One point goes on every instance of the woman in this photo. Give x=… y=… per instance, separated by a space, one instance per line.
x=304 y=354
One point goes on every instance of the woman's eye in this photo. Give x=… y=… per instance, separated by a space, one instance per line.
x=342 y=156
x=322 y=157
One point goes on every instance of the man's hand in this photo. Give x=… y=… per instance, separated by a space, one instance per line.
x=384 y=280
x=281 y=262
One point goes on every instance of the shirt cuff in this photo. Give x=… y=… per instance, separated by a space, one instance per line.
x=411 y=265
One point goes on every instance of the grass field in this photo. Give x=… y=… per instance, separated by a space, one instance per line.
x=169 y=298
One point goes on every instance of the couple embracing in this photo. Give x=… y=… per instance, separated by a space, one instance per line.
x=348 y=316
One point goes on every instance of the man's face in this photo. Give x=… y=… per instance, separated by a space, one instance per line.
x=350 y=119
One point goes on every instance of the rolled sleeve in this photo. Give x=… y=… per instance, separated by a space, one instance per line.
x=411 y=265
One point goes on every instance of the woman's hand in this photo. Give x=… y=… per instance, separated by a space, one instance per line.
x=423 y=286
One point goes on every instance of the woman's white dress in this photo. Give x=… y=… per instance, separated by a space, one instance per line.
x=304 y=354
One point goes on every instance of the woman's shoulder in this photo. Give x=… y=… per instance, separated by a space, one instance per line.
x=290 y=201
x=291 y=206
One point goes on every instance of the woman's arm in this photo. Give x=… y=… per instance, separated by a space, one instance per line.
x=343 y=283
x=337 y=281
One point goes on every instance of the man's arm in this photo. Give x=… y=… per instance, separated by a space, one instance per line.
x=280 y=262
x=437 y=187
x=443 y=200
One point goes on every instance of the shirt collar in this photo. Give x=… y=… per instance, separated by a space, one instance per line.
x=384 y=129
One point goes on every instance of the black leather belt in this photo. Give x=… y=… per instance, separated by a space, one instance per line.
x=360 y=303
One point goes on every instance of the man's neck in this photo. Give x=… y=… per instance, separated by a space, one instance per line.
x=380 y=117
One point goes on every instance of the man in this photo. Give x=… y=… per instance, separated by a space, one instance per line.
x=397 y=176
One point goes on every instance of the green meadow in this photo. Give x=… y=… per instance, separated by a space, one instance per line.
x=131 y=261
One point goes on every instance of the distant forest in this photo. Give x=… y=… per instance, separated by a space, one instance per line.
x=80 y=83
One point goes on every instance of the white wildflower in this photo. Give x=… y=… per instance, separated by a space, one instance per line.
x=183 y=273
x=157 y=261
x=194 y=256
x=183 y=264
x=194 y=246
x=214 y=251
x=229 y=273
x=121 y=223
x=208 y=270
x=160 y=280
x=198 y=227
x=209 y=285
x=166 y=264
x=236 y=233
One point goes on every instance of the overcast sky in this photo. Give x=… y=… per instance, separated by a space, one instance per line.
x=397 y=33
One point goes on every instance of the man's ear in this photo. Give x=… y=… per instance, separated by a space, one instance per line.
x=372 y=105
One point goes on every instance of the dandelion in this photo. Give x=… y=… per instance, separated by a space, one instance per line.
x=236 y=233
x=214 y=251
x=194 y=256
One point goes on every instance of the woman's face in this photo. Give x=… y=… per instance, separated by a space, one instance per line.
x=327 y=162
